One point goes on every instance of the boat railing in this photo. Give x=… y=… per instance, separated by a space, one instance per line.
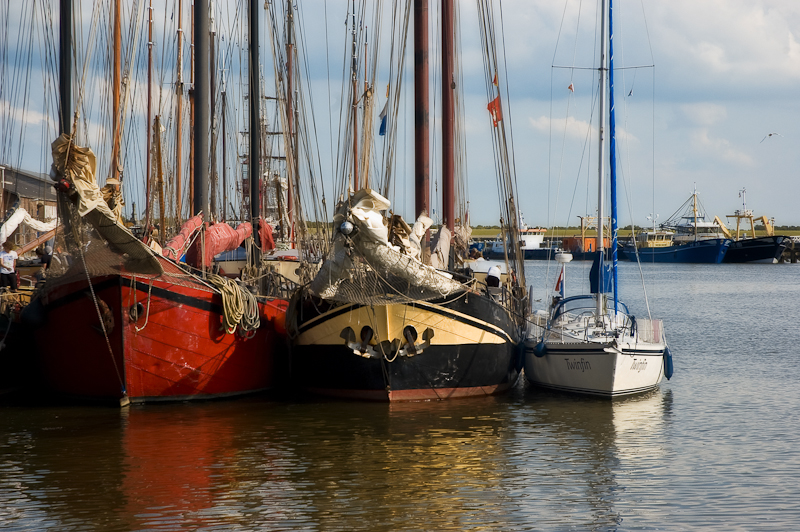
x=650 y=331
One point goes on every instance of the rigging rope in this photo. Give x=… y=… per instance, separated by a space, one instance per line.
x=239 y=305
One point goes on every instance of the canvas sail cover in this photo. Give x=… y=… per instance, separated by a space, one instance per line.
x=21 y=216
x=77 y=165
x=599 y=265
x=219 y=237
x=364 y=267
x=175 y=248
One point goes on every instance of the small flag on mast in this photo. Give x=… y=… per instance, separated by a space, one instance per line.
x=560 y=282
x=382 y=116
x=495 y=111
x=571 y=87
x=494 y=81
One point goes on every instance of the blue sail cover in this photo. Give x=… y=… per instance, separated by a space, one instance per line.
x=594 y=276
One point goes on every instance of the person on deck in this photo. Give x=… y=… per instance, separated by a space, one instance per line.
x=493 y=277
x=8 y=266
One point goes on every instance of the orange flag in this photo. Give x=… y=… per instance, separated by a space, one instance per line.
x=495 y=111
x=494 y=81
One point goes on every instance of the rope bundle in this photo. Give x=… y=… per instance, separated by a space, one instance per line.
x=239 y=306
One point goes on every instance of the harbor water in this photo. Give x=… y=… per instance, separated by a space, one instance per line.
x=715 y=448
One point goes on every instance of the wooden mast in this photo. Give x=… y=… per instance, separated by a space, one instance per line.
x=212 y=94
x=290 y=105
x=65 y=67
x=421 y=110
x=192 y=212
x=255 y=123
x=160 y=180
x=448 y=115
x=224 y=155
x=148 y=158
x=201 y=107
x=179 y=121
x=115 y=90
x=354 y=76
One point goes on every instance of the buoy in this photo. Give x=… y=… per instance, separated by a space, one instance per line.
x=668 y=369
x=540 y=350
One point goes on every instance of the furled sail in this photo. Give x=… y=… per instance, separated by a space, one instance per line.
x=368 y=236
x=77 y=166
x=21 y=216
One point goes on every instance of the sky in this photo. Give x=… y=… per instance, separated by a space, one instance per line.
x=700 y=86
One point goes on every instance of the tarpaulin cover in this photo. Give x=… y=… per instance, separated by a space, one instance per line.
x=265 y=235
x=176 y=247
x=22 y=216
x=219 y=237
x=77 y=165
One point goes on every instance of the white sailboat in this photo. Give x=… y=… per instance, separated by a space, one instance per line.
x=591 y=343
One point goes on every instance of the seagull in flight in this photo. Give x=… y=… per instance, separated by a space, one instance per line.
x=769 y=135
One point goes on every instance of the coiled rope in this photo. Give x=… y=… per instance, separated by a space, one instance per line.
x=239 y=306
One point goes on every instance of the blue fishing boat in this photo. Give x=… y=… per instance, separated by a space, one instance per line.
x=687 y=238
x=766 y=249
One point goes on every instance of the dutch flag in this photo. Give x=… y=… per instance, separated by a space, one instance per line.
x=382 y=116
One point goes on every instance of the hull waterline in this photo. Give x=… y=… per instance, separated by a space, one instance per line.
x=467 y=355
x=766 y=249
x=163 y=341
x=711 y=251
x=605 y=372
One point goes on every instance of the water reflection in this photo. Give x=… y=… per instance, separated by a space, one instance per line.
x=512 y=462
x=411 y=466
x=59 y=468
x=588 y=449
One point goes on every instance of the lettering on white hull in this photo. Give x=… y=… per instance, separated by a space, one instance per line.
x=639 y=365
x=581 y=364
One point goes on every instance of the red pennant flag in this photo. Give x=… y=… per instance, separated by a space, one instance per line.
x=560 y=282
x=495 y=111
x=571 y=87
x=494 y=81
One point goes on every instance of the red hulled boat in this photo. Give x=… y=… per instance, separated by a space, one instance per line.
x=153 y=337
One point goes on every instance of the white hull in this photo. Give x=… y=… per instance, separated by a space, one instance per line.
x=591 y=368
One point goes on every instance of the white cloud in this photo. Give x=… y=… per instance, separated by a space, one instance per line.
x=573 y=128
x=576 y=129
x=718 y=148
x=29 y=116
x=704 y=114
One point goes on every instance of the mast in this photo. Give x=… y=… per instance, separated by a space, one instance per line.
x=148 y=158
x=179 y=120
x=212 y=156
x=601 y=166
x=115 y=89
x=65 y=67
x=201 y=103
x=694 y=211
x=448 y=115
x=192 y=212
x=224 y=155
x=160 y=180
x=421 y=107
x=255 y=122
x=354 y=76
x=291 y=104
x=612 y=134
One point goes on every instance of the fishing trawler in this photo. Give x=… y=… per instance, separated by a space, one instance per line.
x=767 y=248
x=686 y=237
